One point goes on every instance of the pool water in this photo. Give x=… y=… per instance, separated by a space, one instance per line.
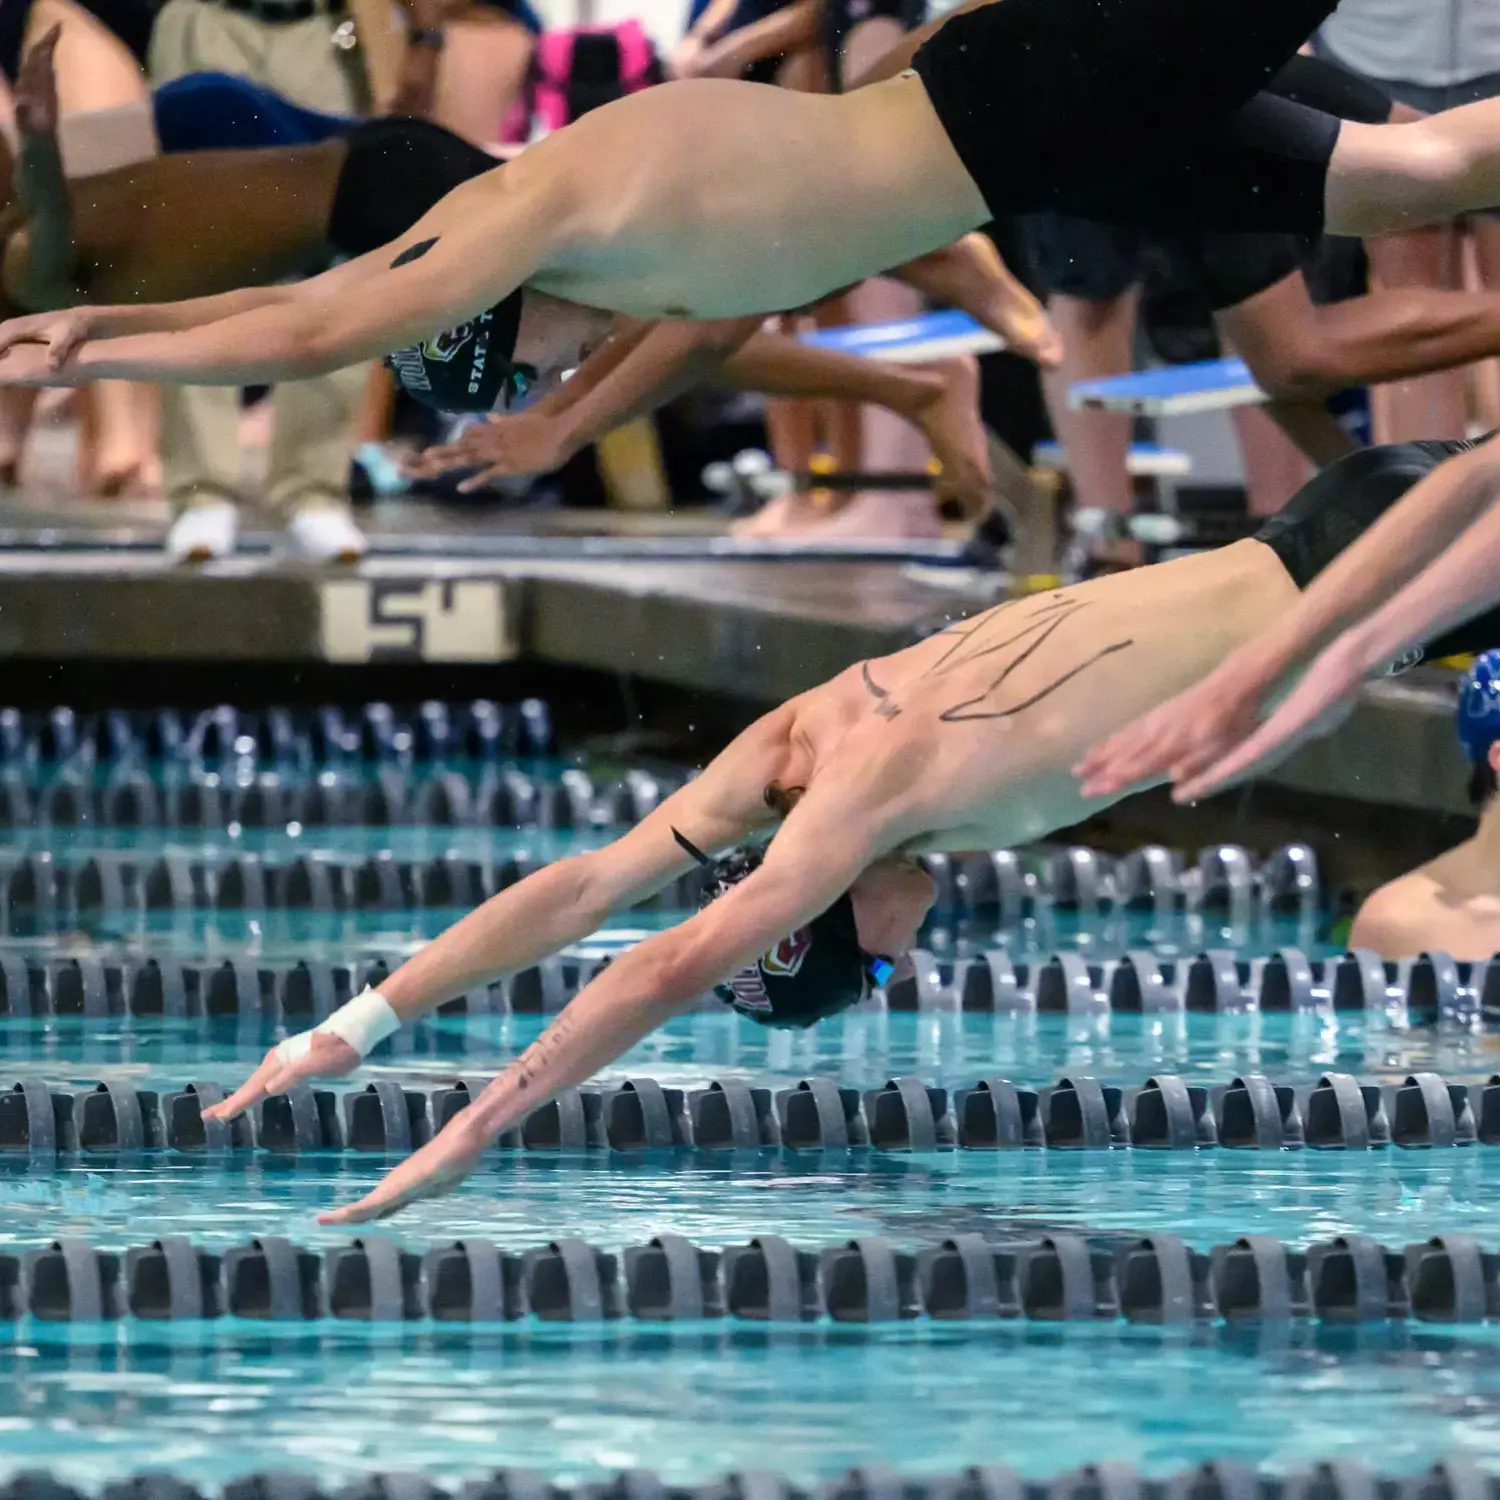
x=862 y=1049
x=692 y=1403
x=613 y=1201
x=93 y=1403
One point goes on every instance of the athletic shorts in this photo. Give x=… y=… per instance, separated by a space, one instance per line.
x=1341 y=503
x=1134 y=111
x=1099 y=262
x=395 y=171
x=1428 y=98
x=839 y=17
x=1188 y=275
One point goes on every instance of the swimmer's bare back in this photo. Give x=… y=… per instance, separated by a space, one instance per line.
x=199 y=223
x=995 y=710
x=711 y=198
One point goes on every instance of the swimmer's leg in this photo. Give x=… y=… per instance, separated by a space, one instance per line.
x=16 y=407
x=940 y=399
x=1392 y=177
x=969 y=274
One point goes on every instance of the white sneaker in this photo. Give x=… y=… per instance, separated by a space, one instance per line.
x=325 y=534
x=203 y=533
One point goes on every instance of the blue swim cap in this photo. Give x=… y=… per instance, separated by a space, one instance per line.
x=1479 y=706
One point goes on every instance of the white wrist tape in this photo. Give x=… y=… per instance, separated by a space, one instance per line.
x=365 y=1021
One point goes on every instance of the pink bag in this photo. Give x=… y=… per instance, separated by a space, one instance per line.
x=579 y=68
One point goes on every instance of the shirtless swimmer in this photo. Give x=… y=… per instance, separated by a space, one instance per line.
x=963 y=741
x=1011 y=106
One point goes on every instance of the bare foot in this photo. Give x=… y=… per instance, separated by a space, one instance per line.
x=783 y=516
x=1012 y=312
x=950 y=422
x=1023 y=323
x=878 y=515
x=112 y=481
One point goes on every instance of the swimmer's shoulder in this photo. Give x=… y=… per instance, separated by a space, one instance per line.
x=1391 y=917
x=1431 y=907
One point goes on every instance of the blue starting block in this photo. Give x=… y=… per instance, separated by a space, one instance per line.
x=936 y=335
x=1143 y=461
x=1173 y=391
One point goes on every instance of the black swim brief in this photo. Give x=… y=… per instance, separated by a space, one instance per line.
x=1134 y=111
x=396 y=170
x=1341 y=503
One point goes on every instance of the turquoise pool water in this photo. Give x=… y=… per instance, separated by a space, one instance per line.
x=915 y=1200
x=860 y=1049
x=208 y=1401
x=692 y=1403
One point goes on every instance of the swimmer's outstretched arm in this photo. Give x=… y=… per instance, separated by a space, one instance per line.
x=555 y=906
x=1461 y=583
x=622 y=380
x=823 y=846
x=1189 y=737
x=481 y=242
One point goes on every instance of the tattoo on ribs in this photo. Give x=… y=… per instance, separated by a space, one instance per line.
x=1027 y=627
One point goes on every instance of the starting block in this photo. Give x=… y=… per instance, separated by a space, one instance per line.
x=1173 y=391
x=935 y=335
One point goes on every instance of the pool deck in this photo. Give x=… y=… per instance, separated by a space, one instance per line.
x=582 y=590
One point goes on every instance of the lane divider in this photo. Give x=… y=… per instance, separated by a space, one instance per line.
x=40 y=887
x=284 y=736
x=1154 y=1279
x=1335 y=1112
x=1458 y=1478
x=1423 y=990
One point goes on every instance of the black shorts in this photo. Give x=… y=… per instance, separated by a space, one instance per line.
x=1098 y=262
x=1188 y=275
x=396 y=170
x=1134 y=111
x=839 y=17
x=1340 y=504
x=130 y=20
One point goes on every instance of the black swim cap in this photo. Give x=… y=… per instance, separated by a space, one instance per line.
x=468 y=368
x=810 y=974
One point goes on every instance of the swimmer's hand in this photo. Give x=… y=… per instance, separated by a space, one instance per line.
x=59 y=334
x=1179 y=739
x=502 y=447
x=328 y=1056
x=436 y=1169
x=1316 y=706
x=686 y=57
x=35 y=93
x=31 y=364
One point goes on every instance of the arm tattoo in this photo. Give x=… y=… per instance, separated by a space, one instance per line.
x=540 y=1052
x=414 y=252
